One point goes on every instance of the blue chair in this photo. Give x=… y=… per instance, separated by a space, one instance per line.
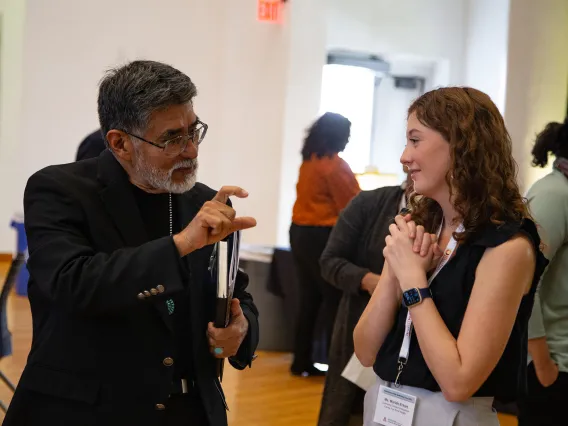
x=6 y=336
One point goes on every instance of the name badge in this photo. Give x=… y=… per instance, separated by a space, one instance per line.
x=394 y=408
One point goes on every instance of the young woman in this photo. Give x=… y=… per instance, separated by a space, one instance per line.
x=325 y=186
x=447 y=334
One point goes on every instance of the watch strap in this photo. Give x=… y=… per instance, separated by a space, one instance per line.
x=425 y=292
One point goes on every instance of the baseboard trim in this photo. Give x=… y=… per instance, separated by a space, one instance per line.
x=6 y=257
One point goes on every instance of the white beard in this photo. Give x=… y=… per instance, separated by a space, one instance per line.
x=162 y=179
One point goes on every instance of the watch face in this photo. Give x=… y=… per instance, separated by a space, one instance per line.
x=411 y=297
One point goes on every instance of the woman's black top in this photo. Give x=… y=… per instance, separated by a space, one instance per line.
x=451 y=290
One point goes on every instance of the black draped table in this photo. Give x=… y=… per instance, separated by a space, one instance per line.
x=275 y=289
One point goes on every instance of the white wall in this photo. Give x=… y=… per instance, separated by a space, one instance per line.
x=306 y=58
x=537 y=73
x=391 y=110
x=252 y=89
x=11 y=46
x=424 y=36
x=241 y=82
x=486 y=48
x=431 y=29
x=417 y=38
x=390 y=136
x=70 y=44
x=516 y=53
x=258 y=89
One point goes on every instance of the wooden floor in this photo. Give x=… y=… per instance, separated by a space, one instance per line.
x=265 y=395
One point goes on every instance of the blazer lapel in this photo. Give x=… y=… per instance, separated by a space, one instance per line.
x=119 y=201
x=188 y=207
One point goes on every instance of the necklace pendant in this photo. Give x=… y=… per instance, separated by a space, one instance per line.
x=170 y=303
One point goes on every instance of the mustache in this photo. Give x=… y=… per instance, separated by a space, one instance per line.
x=186 y=164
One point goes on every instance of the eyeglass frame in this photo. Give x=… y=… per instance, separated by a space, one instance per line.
x=187 y=138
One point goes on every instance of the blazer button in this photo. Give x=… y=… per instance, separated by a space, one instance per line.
x=168 y=362
x=160 y=407
x=160 y=288
x=141 y=296
x=153 y=291
x=147 y=293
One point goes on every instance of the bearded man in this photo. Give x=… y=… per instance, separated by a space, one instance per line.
x=119 y=249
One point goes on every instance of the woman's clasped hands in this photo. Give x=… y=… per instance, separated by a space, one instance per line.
x=410 y=251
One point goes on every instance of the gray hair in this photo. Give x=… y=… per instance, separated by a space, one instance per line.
x=130 y=94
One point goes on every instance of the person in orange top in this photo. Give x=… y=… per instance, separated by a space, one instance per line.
x=325 y=186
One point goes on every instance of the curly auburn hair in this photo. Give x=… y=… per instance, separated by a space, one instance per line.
x=482 y=175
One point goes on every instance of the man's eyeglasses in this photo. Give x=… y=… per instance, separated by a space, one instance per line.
x=175 y=146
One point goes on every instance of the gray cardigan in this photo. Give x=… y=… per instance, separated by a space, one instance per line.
x=354 y=248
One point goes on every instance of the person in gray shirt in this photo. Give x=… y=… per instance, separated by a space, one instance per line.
x=548 y=326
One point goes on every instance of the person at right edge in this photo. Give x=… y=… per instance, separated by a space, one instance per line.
x=548 y=326
x=325 y=186
x=446 y=331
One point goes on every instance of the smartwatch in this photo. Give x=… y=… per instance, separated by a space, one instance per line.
x=415 y=296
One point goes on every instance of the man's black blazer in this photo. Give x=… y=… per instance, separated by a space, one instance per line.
x=98 y=347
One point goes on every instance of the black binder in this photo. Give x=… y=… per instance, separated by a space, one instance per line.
x=225 y=264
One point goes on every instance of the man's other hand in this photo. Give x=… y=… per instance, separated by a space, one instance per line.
x=225 y=342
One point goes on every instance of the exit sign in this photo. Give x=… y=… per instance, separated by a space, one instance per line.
x=269 y=10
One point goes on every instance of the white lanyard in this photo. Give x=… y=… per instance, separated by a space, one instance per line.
x=405 y=347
